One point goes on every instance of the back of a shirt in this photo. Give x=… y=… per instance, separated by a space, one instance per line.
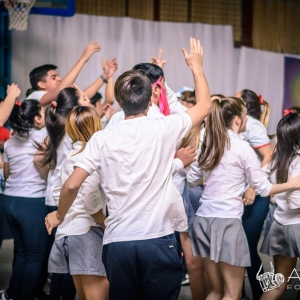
x=24 y=179
x=135 y=159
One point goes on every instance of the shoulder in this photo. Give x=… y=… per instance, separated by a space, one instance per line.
x=36 y=95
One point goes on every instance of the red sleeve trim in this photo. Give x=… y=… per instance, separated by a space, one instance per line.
x=260 y=146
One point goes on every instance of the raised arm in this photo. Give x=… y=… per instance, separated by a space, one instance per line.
x=69 y=79
x=13 y=92
x=203 y=103
x=109 y=69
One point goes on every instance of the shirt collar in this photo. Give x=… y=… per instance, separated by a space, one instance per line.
x=232 y=133
x=77 y=145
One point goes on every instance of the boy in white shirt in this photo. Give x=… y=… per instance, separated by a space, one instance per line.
x=134 y=159
x=46 y=83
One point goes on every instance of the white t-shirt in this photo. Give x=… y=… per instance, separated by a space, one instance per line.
x=24 y=179
x=288 y=203
x=62 y=152
x=36 y=95
x=77 y=221
x=224 y=186
x=135 y=159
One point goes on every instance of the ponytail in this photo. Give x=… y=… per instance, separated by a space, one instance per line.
x=265 y=116
x=216 y=134
x=192 y=139
x=55 y=119
x=253 y=103
x=21 y=119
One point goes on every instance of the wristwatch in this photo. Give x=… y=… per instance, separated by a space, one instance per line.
x=104 y=79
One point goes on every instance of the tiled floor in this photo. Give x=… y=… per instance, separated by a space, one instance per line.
x=6 y=262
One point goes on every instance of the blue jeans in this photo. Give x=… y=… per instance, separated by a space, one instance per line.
x=143 y=270
x=26 y=219
x=253 y=220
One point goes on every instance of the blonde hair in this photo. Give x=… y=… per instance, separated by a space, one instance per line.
x=265 y=116
x=82 y=122
x=192 y=138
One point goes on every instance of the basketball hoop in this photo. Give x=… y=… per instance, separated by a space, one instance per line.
x=18 y=11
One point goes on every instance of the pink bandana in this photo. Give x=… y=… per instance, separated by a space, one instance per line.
x=163 y=101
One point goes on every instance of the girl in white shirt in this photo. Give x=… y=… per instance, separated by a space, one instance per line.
x=24 y=198
x=226 y=163
x=78 y=242
x=282 y=239
x=48 y=161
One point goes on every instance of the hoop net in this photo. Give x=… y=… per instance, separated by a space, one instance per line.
x=18 y=12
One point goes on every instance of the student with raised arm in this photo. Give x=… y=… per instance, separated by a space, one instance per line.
x=6 y=106
x=226 y=163
x=144 y=206
x=46 y=83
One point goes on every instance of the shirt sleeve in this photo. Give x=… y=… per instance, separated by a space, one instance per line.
x=293 y=197
x=178 y=126
x=194 y=174
x=254 y=174
x=256 y=135
x=93 y=195
x=177 y=166
x=90 y=160
x=175 y=106
x=65 y=172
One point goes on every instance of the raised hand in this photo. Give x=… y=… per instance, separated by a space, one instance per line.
x=158 y=60
x=90 y=50
x=13 y=90
x=186 y=155
x=109 y=67
x=109 y=111
x=195 y=58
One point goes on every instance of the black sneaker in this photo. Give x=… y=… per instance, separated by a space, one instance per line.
x=185 y=279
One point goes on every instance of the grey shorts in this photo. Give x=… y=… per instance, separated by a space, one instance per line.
x=222 y=239
x=282 y=240
x=78 y=254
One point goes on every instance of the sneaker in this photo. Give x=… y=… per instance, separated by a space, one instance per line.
x=185 y=279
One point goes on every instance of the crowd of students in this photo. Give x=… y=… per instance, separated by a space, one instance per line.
x=95 y=197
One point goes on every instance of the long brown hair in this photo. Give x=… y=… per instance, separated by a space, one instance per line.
x=216 y=135
x=82 y=122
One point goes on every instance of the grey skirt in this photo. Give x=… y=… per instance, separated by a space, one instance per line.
x=282 y=240
x=222 y=239
x=78 y=254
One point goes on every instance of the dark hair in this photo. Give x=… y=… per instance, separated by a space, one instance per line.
x=97 y=97
x=133 y=92
x=29 y=92
x=21 y=119
x=189 y=97
x=153 y=72
x=254 y=104
x=288 y=143
x=39 y=74
x=55 y=119
x=216 y=135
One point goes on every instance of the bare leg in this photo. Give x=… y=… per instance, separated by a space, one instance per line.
x=285 y=266
x=78 y=286
x=95 y=287
x=195 y=267
x=214 y=276
x=233 y=278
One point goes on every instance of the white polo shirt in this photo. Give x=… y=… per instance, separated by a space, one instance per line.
x=77 y=221
x=24 y=179
x=224 y=185
x=288 y=203
x=135 y=158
